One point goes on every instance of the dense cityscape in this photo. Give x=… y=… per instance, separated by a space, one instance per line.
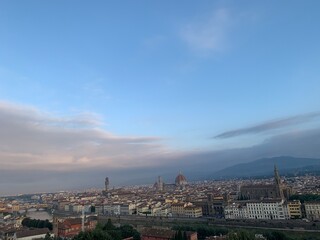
x=288 y=199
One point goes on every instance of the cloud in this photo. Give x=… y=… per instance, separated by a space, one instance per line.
x=195 y=165
x=40 y=151
x=208 y=34
x=271 y=125
x=31 y=139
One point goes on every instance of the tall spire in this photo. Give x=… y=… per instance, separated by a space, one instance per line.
x=160 y=184
x=106 y=184
x=278 y=182
x=276 y=175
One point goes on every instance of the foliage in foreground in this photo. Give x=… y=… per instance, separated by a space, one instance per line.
x=109 y=232
x=306 y=197
x=206 y=231
x=36 y=223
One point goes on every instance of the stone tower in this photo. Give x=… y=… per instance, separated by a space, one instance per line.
x=106 y=184
x=278 y=184
x=160 y=184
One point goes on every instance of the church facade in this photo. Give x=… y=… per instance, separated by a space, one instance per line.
x=266 y=191
x=180 y=183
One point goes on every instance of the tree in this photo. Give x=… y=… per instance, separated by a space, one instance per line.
x=109 y=231
x=96 y=234
x=185 y=237
x=48 y=237
x=276 y=236
x=36 y=223
x=178 y=235
x=25 y=221
x=109 y=225
x=305 y=197
x=241 y=235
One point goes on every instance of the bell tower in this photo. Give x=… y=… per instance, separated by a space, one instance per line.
x=106 y=184
x=277 y=182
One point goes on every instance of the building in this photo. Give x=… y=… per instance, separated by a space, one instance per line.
x=70 y=227
x=186 y=210
x=106 y=184
x=181 y=180
x=177 y=209
x=15 y=208
x=31 y=234
x=294 y=209
x=62 y=204
x=266 y=209
x=112 y=209
x=266 y=191
x=70 y=224
x=212 y=206
x=77 y=208
x=98 y=209
x=312 y=210
x=236 y=211
x=193 y=211
x=180 y=183
x=127 y=209
x=159 y=184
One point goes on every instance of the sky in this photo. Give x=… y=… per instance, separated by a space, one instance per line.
x=137 y=89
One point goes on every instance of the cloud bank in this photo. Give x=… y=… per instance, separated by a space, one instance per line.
x=42 y=152
x=31 y=139
x=271 y=125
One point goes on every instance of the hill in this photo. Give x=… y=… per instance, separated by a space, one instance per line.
x=264 y=167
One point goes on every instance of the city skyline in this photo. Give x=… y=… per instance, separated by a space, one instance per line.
x=134 y=90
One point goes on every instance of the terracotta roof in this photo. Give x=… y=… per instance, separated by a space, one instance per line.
x=69 y=222
x=73 y=221
x=32 y=232
x=258 y=186
x=180 y=179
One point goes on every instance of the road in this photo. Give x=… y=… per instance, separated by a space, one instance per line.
x=140 y=220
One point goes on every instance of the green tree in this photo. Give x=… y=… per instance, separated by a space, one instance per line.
x=109 y=225
x=129 y=231
x=97 y=234
x=179 y=235
x=25 y=222
x=36 y=223
x=185 y=237
x=109 y=231
x=241 y=235
x=276 y=236
x=48 y=237
x=305 y=197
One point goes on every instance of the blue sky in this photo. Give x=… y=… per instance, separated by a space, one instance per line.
x=181 y=72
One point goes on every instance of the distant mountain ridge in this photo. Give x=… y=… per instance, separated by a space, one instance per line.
x=264 y=167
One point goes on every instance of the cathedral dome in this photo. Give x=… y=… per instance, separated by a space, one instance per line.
x=181 y=180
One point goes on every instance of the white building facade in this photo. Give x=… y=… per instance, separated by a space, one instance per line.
x=270 y=209
x=312 y=210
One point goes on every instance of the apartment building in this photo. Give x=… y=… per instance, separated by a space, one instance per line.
x=312 y=210
x=294 y=209
x=266 y=209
